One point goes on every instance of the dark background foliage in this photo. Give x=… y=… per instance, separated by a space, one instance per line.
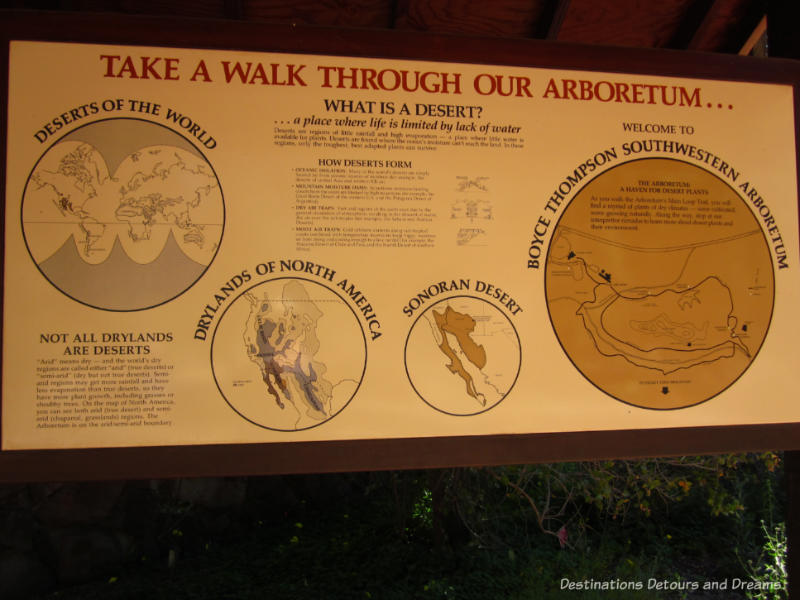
x=503 y=532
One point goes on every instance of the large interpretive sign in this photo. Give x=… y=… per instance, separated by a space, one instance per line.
x=219 y=247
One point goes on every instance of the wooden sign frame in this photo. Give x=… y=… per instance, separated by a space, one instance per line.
x=188 y=460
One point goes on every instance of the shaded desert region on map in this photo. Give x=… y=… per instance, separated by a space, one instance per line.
x=665 y=303
x=462 y=356
x=288 y=354
x=122 y=214
x=460 y=326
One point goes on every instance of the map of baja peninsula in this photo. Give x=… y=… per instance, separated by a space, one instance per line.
x=288 y=354
x=459 y=326
x=122 y=214
x=659 y=283
x=462 y=355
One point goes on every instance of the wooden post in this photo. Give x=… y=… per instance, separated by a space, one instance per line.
x=791 y=466
x=783 y=42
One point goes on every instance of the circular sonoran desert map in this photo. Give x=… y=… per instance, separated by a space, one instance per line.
x=659 y=283
x=122 y=214
x=462 y=355
x=288 y=354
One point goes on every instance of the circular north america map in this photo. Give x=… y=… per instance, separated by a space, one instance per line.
x=462 y=355
x=122 y=214
x=659 y=283
x=288 y=354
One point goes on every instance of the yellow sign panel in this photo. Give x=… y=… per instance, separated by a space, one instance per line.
x=216 y=247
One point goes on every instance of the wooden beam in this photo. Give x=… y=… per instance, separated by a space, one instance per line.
x=629 y=23
x=713 y=26
x=234 y=9
x=560 y=11
x=501 y=18
x=757 y=34
x=344 y=13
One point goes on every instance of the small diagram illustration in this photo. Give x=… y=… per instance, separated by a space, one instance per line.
x=288 y=354
x=472 y=209
x=659 y=283
x=462 y=355
x=122 y=214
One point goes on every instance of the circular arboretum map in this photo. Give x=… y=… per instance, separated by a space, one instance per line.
x=659 y=283
x=122 y=214
x=462 y=355
x=288 y=354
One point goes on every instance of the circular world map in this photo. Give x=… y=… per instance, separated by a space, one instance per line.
x=659 y=283
x=122 y=214
x=462 y=355
x=288 y=354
